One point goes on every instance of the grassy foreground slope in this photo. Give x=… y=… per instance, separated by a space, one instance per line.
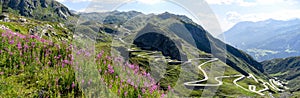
x=31 y=66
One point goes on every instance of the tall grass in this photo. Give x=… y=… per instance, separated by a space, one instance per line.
x=31 y=66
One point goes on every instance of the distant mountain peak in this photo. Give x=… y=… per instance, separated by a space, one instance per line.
x=167 y=15
x=268 y=35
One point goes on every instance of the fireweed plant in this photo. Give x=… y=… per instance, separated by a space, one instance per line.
x=31 y=66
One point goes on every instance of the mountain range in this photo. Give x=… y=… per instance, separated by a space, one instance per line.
x=265 y=40
x=175 y=37
x=203 y=40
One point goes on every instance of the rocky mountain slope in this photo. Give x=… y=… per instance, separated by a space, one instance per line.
x=49 y=10
x=266 y=40
x=47 y=19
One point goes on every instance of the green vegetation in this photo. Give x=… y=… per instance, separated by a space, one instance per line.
x=32 y=67
x=286 y=70
x=176 y=75
x=55 y=30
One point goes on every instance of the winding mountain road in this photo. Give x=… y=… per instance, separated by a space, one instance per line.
x=252 y=88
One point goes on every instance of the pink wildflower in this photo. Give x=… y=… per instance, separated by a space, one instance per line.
x=90 y=81
x=26 y=46
x=66 y=62
x=63 y=65
x=143 y=90
x=33 y=44
x=128 y=80
x=11 y=41
x=19 y=46
x=125 y=93
x=119 y=91
x=73 y=85
x=99 y=55
x=169 y=87
x=162 y=95
x=82 y=81
x=110 y=69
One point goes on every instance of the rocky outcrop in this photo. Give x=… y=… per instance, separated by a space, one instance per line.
x=49 y=10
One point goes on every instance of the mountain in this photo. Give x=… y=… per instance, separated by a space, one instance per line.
x=47 y=10
x=265 y=40
x=286 y=69
x=177 y=38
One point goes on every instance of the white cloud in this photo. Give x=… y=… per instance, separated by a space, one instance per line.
x=75 y=1
x=252 y=3
x=230 y=2
x=93 y=8
x=107 y=5
x=219 y=2
x=233 y=17
x=272 y=2
x=150 y=1
x=278 y=15
x=113 y=1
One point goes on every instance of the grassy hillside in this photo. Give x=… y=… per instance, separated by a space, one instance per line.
x=285 y=69
x=49 y=30
x=35 y=67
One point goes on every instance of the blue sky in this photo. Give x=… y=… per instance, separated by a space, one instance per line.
x=229 y=12
x=208 y=13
